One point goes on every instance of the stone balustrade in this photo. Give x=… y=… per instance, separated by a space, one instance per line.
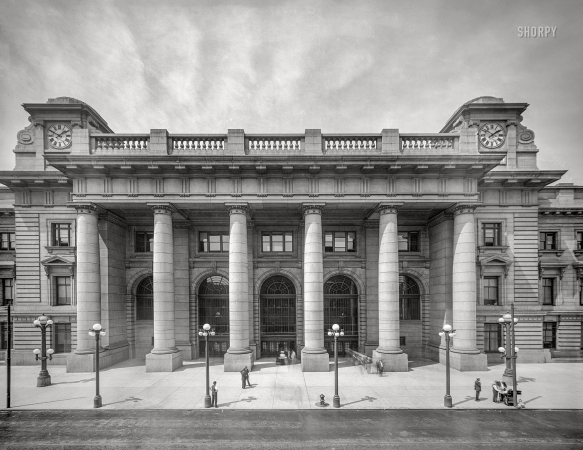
x=110 y=143
x=193 y=143
x=341 y=143
x=436 y=141
x=273 y=144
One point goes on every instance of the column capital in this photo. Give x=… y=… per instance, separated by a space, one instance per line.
x=312 y=208
x=463 y=209
x=388 y=208
x=239 y=208
x=85 y=208
x=162 y=208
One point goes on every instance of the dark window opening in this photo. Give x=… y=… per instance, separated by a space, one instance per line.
x=7 y=291
x=7 y=241
x=213 y=304
x=62 y=290
x=491 y=234
x=144 y=241
x=548 y=291
x=340 y=241
x=278 y=307
x=61 y=234
x=277 y=241
x=145 y=299
x=213 y=242
x=492 y=337
x=408 y=241
x=548 y=240
x=549 y=334
x=62 y=337
x=409 y=299
x=491 y=291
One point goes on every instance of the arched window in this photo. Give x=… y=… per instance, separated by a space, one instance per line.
x=409 y=299
x=145 y=299
x=213 y=304
x=341 y=304
x=278 y=307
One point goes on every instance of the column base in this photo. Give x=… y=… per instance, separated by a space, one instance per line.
x=392 y=362
x=235 y=362
x=466 y=362
x=43 y=380
x=165 y=362
x=315 y=362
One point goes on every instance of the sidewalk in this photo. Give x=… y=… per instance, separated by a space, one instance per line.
x=128 y=386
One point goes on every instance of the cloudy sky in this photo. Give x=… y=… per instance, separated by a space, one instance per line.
x=284 y=66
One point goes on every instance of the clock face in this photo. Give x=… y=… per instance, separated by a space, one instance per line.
x=59 y=136
x=492 y=135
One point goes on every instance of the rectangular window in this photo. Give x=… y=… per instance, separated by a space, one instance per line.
x=7 y=291
x=549 y=334
x=7 y=241
x=548 y=291
x=410 y=308
x=4 y=336
x=491 y=290
x=144 y=241
x=491 y=234
x=579 y=240
x=492 y=337
x=274 y=241
x=62 y=337
x=548 y=240
x=403 y=340
x=340 y=241
x=581 y=294
x=62 y=290
x=408 y=241
x=61 y=234
x=213 y=242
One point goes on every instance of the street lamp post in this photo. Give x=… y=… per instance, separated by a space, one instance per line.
x=336 y=331
x=97 y=331
x=44 y=379
x=448 y=333
x=509 y=353
x=206 y=332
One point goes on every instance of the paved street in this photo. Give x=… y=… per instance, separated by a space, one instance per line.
x=338 y=429
x=128 y=386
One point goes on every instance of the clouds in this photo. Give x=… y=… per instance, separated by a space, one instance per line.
x=343 y=66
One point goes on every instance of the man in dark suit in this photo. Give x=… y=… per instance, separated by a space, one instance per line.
x=215 y=393
x=478 y=388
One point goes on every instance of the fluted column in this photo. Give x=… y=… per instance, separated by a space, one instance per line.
x=389 y=349
x=314 y=355
x=88 y=277
x=164 y=339
x=164 y=357
x=239 y=354
x=465 y=355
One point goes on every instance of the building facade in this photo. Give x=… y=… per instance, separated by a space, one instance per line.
x=271 y=239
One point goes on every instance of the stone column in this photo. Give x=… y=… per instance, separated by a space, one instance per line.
x=464 y=354
x=239 y=354
x=88 y=288
x=314 y=355
x=165 y=357
x=389 y=349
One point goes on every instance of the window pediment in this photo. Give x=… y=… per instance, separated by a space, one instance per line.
x=549 y=266
x=499 y=260
x=58 y=264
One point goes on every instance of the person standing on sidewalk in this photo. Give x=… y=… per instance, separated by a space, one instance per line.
x=477 y=388
x=243 y=378
x=247 y=376
x=215 y=393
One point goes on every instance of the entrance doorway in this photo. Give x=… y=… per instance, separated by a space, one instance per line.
x=341 y=307
x=277 y=316
x=213 y=308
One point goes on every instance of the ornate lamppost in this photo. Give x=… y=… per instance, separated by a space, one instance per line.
x=509 y=353
x=97 y=331
x=336 y=331
x=206 y=332
x=448 y=333
x=44 y=379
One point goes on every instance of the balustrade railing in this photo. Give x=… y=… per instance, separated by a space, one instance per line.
x=113 y=142
x=351 y=143
x=187 y=143
x=273 y=143
x=437 y=141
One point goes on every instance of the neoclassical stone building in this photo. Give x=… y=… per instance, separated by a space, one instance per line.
x=273 y=238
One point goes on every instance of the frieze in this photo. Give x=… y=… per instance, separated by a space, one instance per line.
x=113 y=218
x=181 y=224
x=529 y=318
x=571 y=318
x=440 y=218
x=208 y=264
x=139 y=263
x=371 y=224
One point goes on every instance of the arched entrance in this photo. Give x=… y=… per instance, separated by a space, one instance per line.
x=341 y=307
x=277 y=316
x=213 y=308
x=409 y=299
x=145 y=299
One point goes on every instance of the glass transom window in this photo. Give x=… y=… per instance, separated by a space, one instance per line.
x=213 y=242
x=274 y=241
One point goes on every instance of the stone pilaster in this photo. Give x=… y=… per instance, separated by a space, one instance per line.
x=239 y=353
x=389 y=349
x=165 y=357
x=464 y=353
x=314 y=355
x=88 y=288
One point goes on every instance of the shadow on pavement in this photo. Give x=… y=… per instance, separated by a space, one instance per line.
x=75 y=382
x=130 y=399
x=245 y=400
x=363 y=399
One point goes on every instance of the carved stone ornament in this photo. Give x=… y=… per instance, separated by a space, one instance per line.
x=26 y=136
x=239 y=208
x=388 y=209
x=312 y=209
x=526 y=136
x=162 y=209
x=464 y=209
x=86 y=208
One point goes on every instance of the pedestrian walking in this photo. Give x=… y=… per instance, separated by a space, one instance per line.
x=478 y=388
x=292 y=356
x=243 y=377
x=215 y=393
x=380 y=367
x=247 y=376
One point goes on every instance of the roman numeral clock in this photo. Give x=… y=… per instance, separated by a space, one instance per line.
x=492 y=135
x=59 y=136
